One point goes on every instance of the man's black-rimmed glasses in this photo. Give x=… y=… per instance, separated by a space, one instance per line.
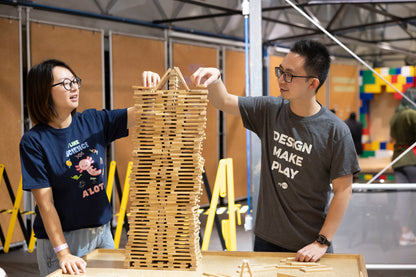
x=288 y=77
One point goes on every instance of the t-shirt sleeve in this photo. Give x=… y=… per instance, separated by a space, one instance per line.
x=34 y=173
x=253 y=111
x=115 y=124
x=345 y=160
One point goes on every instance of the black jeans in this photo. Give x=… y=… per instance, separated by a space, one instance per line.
x=261 y=245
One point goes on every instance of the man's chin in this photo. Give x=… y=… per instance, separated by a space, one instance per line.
x=284 y=95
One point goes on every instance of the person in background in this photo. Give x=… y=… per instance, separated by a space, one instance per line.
x=356 y=128
x=63 y=164
x=305 y=147
x=403 y=132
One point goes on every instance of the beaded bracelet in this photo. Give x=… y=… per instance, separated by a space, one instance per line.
x=60 y=248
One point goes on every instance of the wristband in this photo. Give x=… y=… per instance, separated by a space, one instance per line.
x=60 y=248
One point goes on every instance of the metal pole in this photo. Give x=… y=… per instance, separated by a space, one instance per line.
x=347 y=49
x=246 y=11
x=256 y=89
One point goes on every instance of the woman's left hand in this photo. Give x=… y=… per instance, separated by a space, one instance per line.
x=150 y=79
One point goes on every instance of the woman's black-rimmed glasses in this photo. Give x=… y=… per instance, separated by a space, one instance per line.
x=67 y=83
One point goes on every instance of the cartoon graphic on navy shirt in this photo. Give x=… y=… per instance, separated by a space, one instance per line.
x=87 y=165
x=87 y=170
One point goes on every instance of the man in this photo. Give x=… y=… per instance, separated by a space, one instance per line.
x=356 y=128
x=305 y=147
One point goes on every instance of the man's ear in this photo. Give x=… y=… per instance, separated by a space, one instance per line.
x=314 y=84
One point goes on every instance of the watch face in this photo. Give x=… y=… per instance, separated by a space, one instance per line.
x=323 y=240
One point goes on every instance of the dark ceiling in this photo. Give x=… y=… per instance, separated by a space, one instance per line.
x=377 y=31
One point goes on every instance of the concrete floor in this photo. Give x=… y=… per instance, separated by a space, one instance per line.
x=369 y=228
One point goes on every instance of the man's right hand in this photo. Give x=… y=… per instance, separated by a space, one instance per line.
x=205 y=76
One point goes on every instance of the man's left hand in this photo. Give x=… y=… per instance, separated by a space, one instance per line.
x=311 y=252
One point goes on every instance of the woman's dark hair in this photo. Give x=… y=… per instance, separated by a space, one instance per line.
x=39 y=85
x=317 y=59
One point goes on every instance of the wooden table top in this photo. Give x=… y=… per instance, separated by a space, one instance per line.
x=110 y=263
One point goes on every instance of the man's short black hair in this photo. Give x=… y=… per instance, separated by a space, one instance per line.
x=317 y=59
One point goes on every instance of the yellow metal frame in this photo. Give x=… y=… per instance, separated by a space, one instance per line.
x=110 y=180
x=13 y=218
x=224 y=182
x=32 y=241
x=123 y=206
x=14 y=213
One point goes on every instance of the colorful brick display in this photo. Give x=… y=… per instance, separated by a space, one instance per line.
x=401 y=78
x=385 y=178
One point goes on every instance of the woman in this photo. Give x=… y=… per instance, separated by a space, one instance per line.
x=63 y=164
x=403 y=132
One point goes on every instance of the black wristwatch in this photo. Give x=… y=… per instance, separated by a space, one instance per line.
x=323 y=240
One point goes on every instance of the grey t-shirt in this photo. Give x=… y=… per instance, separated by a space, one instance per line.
x=300 y=158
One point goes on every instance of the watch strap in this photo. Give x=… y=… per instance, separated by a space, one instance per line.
x=322 y=239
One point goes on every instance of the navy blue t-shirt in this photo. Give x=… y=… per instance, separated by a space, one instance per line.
x=72 y=162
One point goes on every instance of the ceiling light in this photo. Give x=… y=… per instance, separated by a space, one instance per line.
x=384 y=45
x=281 y=49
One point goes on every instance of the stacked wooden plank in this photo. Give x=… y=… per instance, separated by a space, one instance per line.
x=165 y=183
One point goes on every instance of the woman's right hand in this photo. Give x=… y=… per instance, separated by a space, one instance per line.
x=71 y=264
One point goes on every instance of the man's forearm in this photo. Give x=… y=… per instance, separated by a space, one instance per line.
x=222 y=100
x=336 y=212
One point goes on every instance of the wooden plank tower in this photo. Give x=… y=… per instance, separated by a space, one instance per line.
x=165 y=183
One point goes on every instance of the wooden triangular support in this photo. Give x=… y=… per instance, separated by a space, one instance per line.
x=174 y=76
x=243 y=267
x=163 y=80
